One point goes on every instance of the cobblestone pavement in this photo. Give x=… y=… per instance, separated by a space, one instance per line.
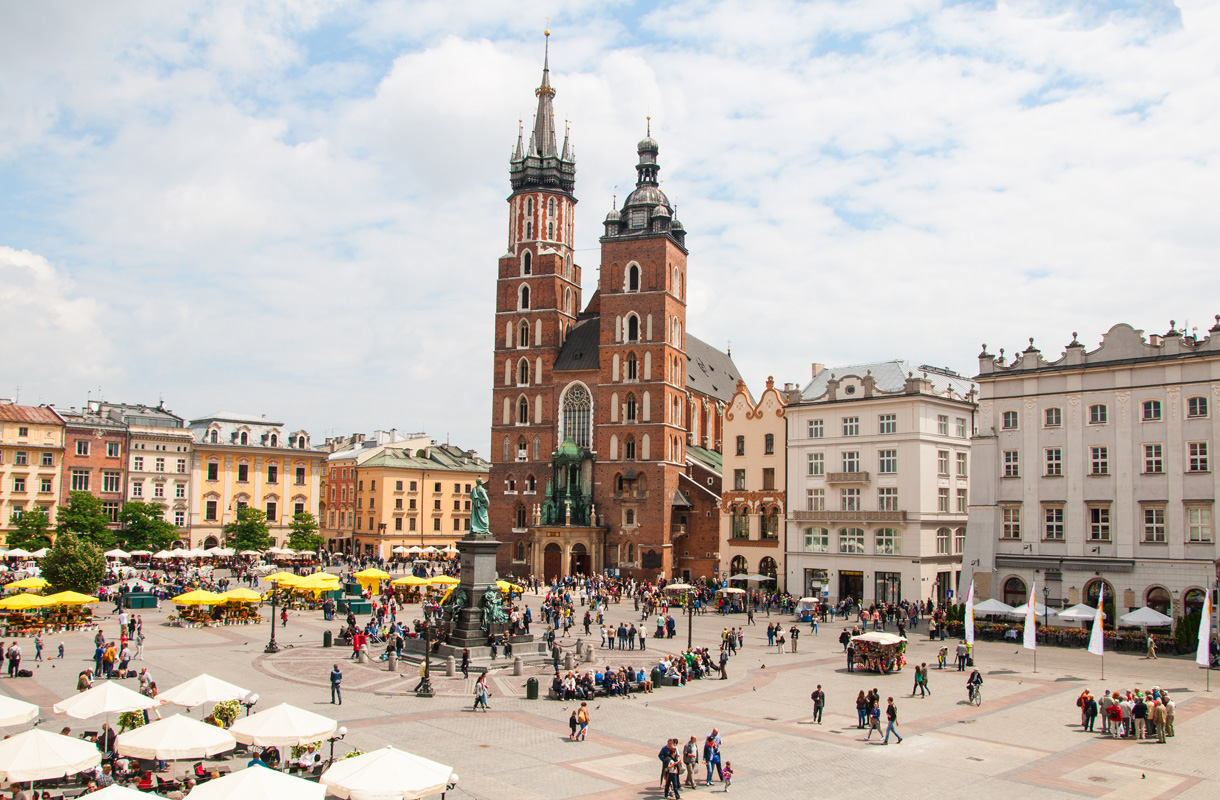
x=1024 y=741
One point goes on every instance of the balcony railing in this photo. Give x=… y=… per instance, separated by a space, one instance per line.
x=847 y=477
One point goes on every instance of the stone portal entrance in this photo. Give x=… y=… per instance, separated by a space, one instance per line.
x=580 y=560
x=552 y=562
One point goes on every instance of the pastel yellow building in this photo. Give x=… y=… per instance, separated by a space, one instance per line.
x=241 y=460
x=31 y=460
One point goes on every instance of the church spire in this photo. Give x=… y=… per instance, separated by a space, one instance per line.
x=540 y=164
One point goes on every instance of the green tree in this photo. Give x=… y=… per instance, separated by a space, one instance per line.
x=31 y=531
x=249 y=532
x=73 y=565
x=145 y=527
x=85 y=516
x=304 y=532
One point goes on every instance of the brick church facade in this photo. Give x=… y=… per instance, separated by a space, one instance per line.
x=606 y=420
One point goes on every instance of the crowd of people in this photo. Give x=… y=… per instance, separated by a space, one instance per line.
x=1130 y=714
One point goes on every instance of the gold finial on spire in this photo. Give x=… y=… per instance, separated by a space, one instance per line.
x=648 y=120
x=547 y=32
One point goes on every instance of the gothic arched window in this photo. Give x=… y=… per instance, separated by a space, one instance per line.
x=523 y=411
x=632 y=369
x=633 y=328
x=633 y=278
x=577 y=412
x=550 y=230
x=527 y=265
x=629 y=449
x=524 y=302
x=523 y=334
x=523 y=373
x=550 y=207
x=630 y=413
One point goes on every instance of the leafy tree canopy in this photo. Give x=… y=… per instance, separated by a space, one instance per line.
x=31 y=531
x=73 y=565
x=303 y=533
x=249 y=532
x=85 y=516
x=145 y=527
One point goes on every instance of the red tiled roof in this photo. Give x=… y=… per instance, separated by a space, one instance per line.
x=38 y=415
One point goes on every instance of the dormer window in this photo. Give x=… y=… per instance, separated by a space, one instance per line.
x=300 y=442
x=243 y=438
x=213 y=437
x=275 y=440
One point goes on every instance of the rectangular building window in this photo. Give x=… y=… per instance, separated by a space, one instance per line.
x=213 y=471
x=817 y=540
x=137 y=488
x=963 y=505
x=1153 y=459
x=1053 y=417
x=769 y=444
x=1012 y=522
x=887 y=462
x=888 y=542
x=816 y=499
x=112 y=449
x=959 y=541
x=849 y=499
x=1197 y=457
x=1198 y=524
x=18 y=484
x=209 y=511
x=1151 y=411
x=1054 y=461
x=963 y=465
x=243 y=473
x=1099 y=414
x=887 y=498
x=45 y=486
x=272 y=510
x=21 y=458
x=436 y=524
x=398 y=486
x=942 y=463
x=411 y=524
x=851 y=426
x=851 y=540
x=851 y=460
x=1053 y=527
x=48 y=459
x=82 y=447
x=110 y=480
x=160 y=465
x=182 y=466
x=137 y=464
x=942 y=424
x=887 y=423
x=817 y=464
x=942 y=541
x=1012 y=464
x=1099 y=460
x=300 y=476
x=80 y=480
x=111 y=509
x=962 y=431
x=1010 y=419
x=1099 y=523
x=180 y=491
x=1154 y=525
x=273 y=473
x=180 y=519
x=739 y=479
x=816 y=430
x=942 y=500
x=741 y=445
x=768 y=479
x=1196 y=407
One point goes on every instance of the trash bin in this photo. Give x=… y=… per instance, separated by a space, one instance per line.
x=531 y=689
x=328 y=639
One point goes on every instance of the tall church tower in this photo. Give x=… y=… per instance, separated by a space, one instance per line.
x=642 y=398
x=537 y=302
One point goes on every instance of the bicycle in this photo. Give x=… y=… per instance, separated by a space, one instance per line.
x=974 y=695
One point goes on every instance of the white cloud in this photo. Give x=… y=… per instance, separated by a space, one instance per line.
x=297 y=209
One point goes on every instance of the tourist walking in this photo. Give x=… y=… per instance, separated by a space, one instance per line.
x=582 y=719
x=481 y=693
x=819 y=700
x=336 y=678
x=690 y=760
x=891 y=716
x=711 y=755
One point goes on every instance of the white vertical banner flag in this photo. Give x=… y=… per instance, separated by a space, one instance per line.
x=1203 y=656
x=970 y=614
x=1097 y=637
x=1031 y=617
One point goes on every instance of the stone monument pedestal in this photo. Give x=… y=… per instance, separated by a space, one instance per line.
x=478 y=560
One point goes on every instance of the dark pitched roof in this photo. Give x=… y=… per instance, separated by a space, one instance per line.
x=710 y=371
x=580 y=349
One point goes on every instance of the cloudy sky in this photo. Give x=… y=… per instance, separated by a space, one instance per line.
x=296 y=208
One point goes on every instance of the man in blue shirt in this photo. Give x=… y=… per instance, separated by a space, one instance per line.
x=336 y=677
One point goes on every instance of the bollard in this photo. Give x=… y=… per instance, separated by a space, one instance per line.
x=588 y=655
x=362 y=656
x=392 y=661
x=568 y=661
x=517 y=666
x=450 y=667
x=580 y=646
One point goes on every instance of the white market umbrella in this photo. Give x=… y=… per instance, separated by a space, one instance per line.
x=387 y=774
x=106 y=698
x=258 y=783
x=220 y=551
x=163 y=554
x=398 y=549
x=880 y=637
x=17 y=553
x=174 y=738
x=40 y=552
x=250 y=553
x=283 y=726
x=677 y=587
x=39 y=755
x=415 y=549
x=991 y=606
x=741 y=576
x=1145 y=617
x=16 y=712
x=1078 y=613
x=431 y=549
x=1039 y=610
x=116 y=792
x=202 y=689
x=141 y=552
x=117 y=553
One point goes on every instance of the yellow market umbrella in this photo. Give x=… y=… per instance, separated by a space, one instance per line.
x=506 y=586
x=286 y=578
x=410 y=580
x=323 y=576
x=20 y=602
x=199 y=597
x=28 y=583
x=315 y=585
x=241 y=596
x=71 y=599
x=372 y=573
x=447 y=580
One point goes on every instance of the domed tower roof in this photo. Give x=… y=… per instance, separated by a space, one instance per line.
x=646 y=211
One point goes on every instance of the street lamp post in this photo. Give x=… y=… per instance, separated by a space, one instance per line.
x=690 y=617
x=339 y=734
x=425 y=688
x=1046 y=605
x=272 y=647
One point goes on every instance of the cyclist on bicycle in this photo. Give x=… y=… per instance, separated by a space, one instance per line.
x=973 y=684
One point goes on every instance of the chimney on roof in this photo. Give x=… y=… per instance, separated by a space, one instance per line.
x=817 y=369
